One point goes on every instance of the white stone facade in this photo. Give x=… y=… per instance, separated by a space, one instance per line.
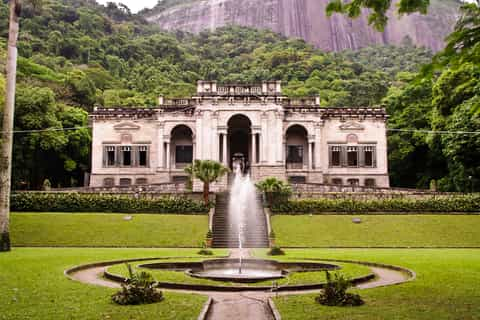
x=272 y=135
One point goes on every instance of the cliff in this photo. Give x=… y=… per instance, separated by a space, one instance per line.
x=307 y=19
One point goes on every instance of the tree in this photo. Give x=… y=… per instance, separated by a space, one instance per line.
x=273 y=187
x=7 y=128
x=378 y=17
x=207 y=171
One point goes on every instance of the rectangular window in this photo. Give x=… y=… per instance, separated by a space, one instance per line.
x=126 y=154
x=352 y=156
x=110 y=155
x=142 y=156
x=335 y=156
x=183 y=154
x=369 y=155
x=295 y=154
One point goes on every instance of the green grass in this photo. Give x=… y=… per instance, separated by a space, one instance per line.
x=33 y=286
x=377 y=231
x=350 y=270
x=107 y=230
x=446 y=287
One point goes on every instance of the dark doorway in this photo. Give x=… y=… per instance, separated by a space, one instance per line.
x=239 y=141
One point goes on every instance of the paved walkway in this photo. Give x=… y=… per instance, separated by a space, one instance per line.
x=243 y=305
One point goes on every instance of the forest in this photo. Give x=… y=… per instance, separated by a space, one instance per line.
x=75 y=54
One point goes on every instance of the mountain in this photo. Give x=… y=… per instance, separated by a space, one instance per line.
x=307 y=19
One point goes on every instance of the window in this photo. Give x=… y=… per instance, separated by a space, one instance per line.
x=125 y=181
x=143 y=156
x=335 y=156
x=126 y=154
x=179 y=179
x=369 y=152
x=110 y=156
x=297 y=179
x=183 y=154
x=141 y=181
x=337 y=181
x=369 y=182
x=353 y=182
x=108 y=182
x=352 y=156
x=295 y=154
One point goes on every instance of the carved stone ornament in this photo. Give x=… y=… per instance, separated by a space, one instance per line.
x=351 y=125
x=126 y=126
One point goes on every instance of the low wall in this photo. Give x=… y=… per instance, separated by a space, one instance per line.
x=330 y=191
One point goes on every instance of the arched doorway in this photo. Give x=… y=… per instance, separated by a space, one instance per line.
x=239 y=141
x=297 y=147
x=181 y=140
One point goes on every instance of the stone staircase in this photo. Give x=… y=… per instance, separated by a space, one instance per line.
x=225 y=235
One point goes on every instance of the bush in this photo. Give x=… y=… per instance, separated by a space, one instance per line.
x=335 y=292
x=140 y=288
x=80 y=202
x=276 y=251
x=205 y=252
x=467 y=203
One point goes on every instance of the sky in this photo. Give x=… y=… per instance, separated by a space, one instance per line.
x=137 y=5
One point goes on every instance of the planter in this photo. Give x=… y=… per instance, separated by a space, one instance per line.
x=209 y=241
x=272 y=242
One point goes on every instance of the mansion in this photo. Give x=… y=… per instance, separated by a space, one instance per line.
x=270 y=134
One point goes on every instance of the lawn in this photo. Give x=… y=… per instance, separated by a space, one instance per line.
x=107 y=230
x=348 y=269
x=33 y=286
x=377 y=231
x=446 y=286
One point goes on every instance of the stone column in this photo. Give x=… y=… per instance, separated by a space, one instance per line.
x=160 y=147
x=168 y=155
x=254 y=148
x=310 y=155
x=224 y=145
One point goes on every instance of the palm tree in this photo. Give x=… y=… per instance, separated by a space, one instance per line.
x=273 y=187
x=207 y=171
x=7 y=134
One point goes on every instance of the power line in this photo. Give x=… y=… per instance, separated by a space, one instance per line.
x=433 y=131
x=48 y=129
x=388 y=129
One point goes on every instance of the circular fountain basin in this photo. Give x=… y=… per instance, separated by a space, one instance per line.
x=246 y=270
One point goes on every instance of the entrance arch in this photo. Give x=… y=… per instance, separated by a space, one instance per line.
x=181 y=140
x=239 y=141
x=297 y=147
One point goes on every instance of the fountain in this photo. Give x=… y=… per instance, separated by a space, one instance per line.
x=242 y=209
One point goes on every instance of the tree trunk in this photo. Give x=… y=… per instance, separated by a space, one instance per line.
x=206 y=192
x=7 y=134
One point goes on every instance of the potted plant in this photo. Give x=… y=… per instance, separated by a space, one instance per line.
x=209 y=238
x=271 y=237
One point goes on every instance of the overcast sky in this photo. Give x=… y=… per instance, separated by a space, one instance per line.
x=137 y=5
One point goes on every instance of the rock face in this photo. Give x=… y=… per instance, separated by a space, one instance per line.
x=307 y=19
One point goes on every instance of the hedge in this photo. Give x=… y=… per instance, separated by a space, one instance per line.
x=78 y=202
x=467 y=203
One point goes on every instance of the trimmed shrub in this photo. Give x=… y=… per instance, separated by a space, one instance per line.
x=80 y=202
x=335 y=292
x=467 y=203
x=276 y=251
x=140 y=288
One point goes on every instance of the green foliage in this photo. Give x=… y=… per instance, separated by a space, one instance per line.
x=276 y=251
x=275 y=190
x=140 y=288
x=205 y=252
x=378 y=15
x=335 y=292
x=78 y=202
x=443 y=97
x=207 y=171
x=467 y=203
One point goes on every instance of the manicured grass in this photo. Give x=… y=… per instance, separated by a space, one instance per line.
x=350 y=270
x=33 y=286
x=377 y=231
x=446 y=286
x=107 y=230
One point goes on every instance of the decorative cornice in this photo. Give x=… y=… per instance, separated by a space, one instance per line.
x=351 y=125
x=126 y=126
